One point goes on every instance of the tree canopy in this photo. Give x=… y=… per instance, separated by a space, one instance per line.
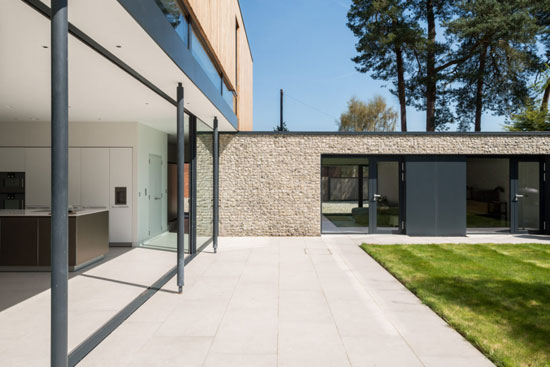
x=374 y=115
x=455 y=59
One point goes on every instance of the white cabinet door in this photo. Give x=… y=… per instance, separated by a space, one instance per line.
x=37 y=177
x=120 y=214
x=94 y=177
x=12 y=159
x=74 y=176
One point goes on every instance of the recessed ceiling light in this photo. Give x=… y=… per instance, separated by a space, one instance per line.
x=146 y=103
x=44 y=46
x=118 y=46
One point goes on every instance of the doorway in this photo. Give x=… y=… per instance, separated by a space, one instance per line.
x=155 y=195
x=526 y=181
x=361 y=194
x=386 y=178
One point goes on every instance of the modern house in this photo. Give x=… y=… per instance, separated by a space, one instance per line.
x=420 y=184
x=160 y=153
x=144 y=88
x=126 y=59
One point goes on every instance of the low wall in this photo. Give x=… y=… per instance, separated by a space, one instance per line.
x=270 y=182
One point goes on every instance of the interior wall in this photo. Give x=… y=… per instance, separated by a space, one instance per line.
x=150 y=141
x=32 y=140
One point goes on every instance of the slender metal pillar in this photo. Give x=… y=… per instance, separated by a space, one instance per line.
x=360 y=186
x=193 y=185
x=181 y=186
x=216 y=159
x=59 y=166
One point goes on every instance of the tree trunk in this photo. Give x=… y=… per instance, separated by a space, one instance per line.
x=479 y=89
x=401 y=87
x=431 y=79
x=545 y=97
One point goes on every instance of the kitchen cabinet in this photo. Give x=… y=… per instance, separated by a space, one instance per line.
x=12 y=159
x=37 y=177
x=120 y=216
x=94 y=176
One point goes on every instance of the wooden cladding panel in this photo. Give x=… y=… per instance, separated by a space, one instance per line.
x=218 y=20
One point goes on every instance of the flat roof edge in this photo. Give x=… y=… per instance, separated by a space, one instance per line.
x=395 y=133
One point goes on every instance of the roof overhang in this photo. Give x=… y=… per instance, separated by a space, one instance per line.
x=137 y=82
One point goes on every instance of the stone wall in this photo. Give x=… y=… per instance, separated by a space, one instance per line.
x=205 y=186
x=270 y=183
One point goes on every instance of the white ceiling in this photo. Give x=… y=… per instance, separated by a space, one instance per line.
x=98 y=89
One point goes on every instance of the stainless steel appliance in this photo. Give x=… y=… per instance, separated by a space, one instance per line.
x=12 y=190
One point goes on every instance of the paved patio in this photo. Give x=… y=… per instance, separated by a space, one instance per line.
x=286 y=302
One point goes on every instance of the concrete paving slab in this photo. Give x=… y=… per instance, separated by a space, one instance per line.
x=265 y=302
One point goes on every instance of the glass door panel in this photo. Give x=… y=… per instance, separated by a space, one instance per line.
x=387 y=196
x=344 y=195
x=528 y=196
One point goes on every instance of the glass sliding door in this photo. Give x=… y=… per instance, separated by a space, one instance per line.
x=487 y=195
x=386 y=195
x=344 y=195
x=526 y=195
x=204 y=184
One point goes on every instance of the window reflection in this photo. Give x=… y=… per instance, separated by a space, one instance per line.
x=487 y=194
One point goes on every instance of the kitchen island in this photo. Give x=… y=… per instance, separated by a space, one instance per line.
x=25 y=238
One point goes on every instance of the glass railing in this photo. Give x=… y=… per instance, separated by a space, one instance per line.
x=173 y=14
x=228 y=96
x=171 y=11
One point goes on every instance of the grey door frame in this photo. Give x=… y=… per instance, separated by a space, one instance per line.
x=514 y=207
x=151 y=233
x=373 y=188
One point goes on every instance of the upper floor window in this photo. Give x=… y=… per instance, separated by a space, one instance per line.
x=205 y=61
x=227 y=95
x=172 y=12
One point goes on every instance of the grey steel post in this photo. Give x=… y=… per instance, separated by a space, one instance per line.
x=281 y=127
x=59 y=203
x=216 y=175
x=181 y=185
x=193 y=185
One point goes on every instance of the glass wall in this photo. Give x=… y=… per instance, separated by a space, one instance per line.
x=228 y=96
x=187 y=34
x=487 y=194
x=200 y=54
x=387 y=195
x=204 y=183
x=344 y=206
x=172 y=12
x=528 y=196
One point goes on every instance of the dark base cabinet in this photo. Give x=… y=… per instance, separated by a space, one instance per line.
x=25 y=241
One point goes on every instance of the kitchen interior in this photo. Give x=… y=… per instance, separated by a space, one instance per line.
x=100 y=208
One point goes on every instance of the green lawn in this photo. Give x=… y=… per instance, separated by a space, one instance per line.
x=497 y=296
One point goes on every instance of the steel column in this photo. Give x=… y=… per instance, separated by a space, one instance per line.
x=216 y=175
x=181 y=186
x=59 y=194
x=360 y=186
x=193 y=185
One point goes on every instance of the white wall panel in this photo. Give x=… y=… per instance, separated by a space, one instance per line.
x=120 y=216
x=12 y=159
x=94 y=175
x=74 y=176
x=37 y=177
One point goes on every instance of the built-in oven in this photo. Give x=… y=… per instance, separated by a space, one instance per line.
x=12 y=190
x=12 y=182
x=12 y=201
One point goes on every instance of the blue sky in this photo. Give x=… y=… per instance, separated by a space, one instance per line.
x=305 y=48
